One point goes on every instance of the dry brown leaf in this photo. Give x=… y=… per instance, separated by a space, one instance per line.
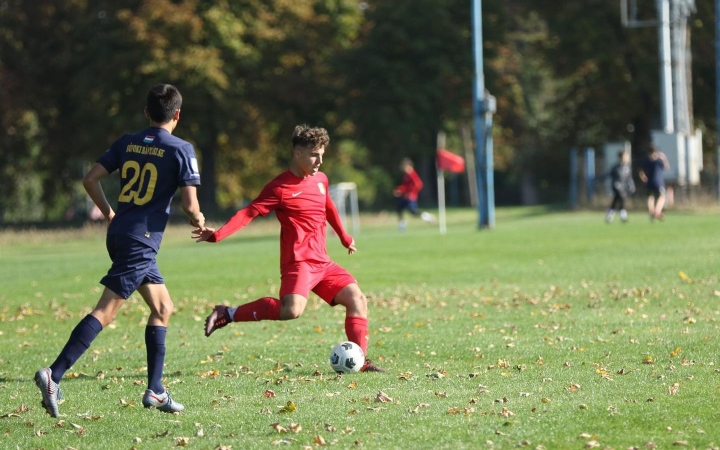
x=318 y=440
x=353 y=385
x=295 y=427
x=223 y=447
x=383 y=398
x=269 y=393
x=673 y=390
x=163 y=434
x=680 y=443
x=279 y=428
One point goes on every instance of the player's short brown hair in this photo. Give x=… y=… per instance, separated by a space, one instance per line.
x=306 y=136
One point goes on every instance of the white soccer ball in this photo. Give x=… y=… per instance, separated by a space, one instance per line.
x=347 y=357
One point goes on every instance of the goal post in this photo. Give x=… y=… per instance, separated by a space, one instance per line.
x=345 y=197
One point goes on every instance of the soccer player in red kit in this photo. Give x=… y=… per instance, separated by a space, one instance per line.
x=407 y=194
x=299 y=196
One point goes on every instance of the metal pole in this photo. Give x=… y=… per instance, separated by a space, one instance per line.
x=483 y=136
x=590 y=173
x=666 y=90
x=489 y=165
x=574 y=177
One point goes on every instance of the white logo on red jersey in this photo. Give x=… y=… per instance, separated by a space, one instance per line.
x=295 y=194
x=322 y=188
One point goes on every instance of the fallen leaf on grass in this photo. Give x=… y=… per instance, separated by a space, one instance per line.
x=352 y=385
x=318 y=440
x=269 y=393
x=182 y=441
x=383 y=398
x=673 y=390
x=288 y=408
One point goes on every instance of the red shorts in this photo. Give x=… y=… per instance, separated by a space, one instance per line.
x=326 y=280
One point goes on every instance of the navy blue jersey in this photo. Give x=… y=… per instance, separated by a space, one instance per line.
x=153 y=164
x=654 y=169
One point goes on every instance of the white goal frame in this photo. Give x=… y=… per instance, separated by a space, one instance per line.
x=344 y=195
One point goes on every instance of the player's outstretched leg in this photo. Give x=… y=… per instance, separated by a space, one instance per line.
x=218 y=318
x=356 y=322
x=51 y=393
x=162 y=402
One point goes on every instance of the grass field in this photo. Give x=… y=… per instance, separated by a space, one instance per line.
x=553 y=330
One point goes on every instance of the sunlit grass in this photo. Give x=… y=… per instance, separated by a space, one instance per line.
x=553 y=330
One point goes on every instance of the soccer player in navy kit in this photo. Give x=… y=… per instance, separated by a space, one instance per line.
x=153 y=164
x=299 y=196
x=652 y=173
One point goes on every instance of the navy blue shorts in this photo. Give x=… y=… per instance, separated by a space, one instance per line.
x=410 y=205
x=133 y=264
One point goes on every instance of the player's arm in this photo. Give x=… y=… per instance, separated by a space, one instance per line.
x=665 y=161
x=333 y=218
x=643 y=177
x=232 y=226
x=191 y=206
x=91 y=183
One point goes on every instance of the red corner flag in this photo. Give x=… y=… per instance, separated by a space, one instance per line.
x=450 y=162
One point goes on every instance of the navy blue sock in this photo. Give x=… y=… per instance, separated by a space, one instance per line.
x=80 y=339
x=155 y=345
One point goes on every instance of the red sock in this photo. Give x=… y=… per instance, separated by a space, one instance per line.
x=266 y=308
x=356 y=329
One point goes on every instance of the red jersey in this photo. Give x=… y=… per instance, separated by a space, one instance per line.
x=411 y=185
x=303 y=206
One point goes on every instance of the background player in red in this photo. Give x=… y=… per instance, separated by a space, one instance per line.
x=407 y=194
x=300 y=199
x=153 y=164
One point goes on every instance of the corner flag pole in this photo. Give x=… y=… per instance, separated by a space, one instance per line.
x=483 y=108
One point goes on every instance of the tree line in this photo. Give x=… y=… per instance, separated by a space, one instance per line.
x=382 y=76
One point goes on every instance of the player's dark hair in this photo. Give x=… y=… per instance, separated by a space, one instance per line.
x=305 y=136
x=162 y=102
x=621 y=153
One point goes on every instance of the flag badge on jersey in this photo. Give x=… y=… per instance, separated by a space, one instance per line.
x=149 y=139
